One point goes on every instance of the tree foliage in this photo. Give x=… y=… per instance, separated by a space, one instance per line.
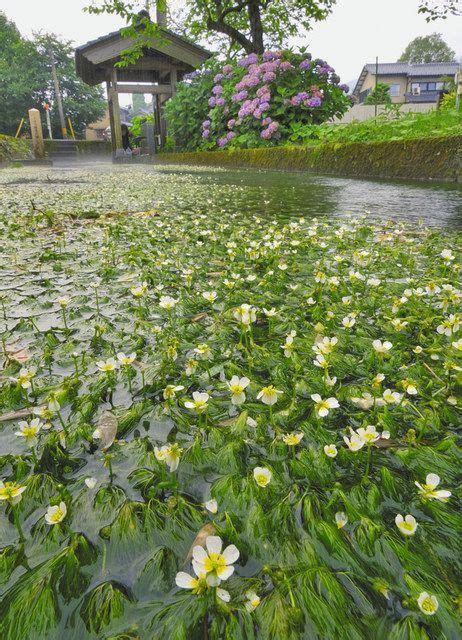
x=379 y=95
x=249 y=25
x=26 y=81
x=439 y=9
x=430 y=48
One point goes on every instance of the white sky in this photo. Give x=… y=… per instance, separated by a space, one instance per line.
x=355 y=32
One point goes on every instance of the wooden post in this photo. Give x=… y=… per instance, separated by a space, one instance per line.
x=58 y=93
x=36 y=133
x=114 y=114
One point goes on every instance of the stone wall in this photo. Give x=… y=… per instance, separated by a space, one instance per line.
x=421 y=159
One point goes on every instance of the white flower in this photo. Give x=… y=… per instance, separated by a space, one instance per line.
x=211 y=505
x=269 y=395
x=167 y=302
x=367 y=401
x=56 y=513
x=382 y=347
x=185 y=581
x=270 y=313
x=340 y=519
x=25 y=376
x=355 y=442
x=262 y=476
x=449 y=326
x=291 y=439
x=428 y=490
x=210 y=296
x=370 y=434
x=237 y=388
x=216 y=565
x=348 y=322
x=171 y=390
x=11 y=491
x=457 y=344
x=245 y=314
x=322 y=407
x=325 y=346
x=427 y=604
x=170 y=454
x=391 y=397
x=90 y=482
x=330 y=450
x=199 y=401
x=253 y=600
x=447 y=255
x=406 y=525
x=108 y=366
x=223 y=595
x=29 y=430
x=139 y=292
x=63 y=302
x=410 y=387
x=126 y=360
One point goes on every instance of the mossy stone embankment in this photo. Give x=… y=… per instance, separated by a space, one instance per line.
x=438 y=158
x=12 y=149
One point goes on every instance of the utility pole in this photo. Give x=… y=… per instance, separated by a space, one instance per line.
x=46 y=106
x=376 y=81
x=58 y=93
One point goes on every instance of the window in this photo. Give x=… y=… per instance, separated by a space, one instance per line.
x=394 y=90
x=431 y=86
x=439 y=86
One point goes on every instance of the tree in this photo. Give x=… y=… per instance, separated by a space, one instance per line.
x=439 y=9
x=249 y=25
x=427 y=49
x=379 y=95
x=26 y=81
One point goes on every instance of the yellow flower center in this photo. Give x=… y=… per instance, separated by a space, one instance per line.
x=236 y=389
x=261 y=478
x=214 y=562
x=29 y=432
x=427 y=605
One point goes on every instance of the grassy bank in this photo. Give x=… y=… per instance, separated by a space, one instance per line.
x=418 y=159
x=14 y=149
x=275 y=398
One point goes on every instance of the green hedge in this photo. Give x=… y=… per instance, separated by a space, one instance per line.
x=85 y=147
x=436 y=158
x=14 y=149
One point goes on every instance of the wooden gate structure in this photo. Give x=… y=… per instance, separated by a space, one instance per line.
x=166 y=60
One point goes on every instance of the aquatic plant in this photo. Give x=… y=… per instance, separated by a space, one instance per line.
x=278 y=458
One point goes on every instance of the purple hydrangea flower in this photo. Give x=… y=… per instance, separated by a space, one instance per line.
x=206 y=124
x=286 y=65
x=219 y=77
x=217 y=90
x=221 y=142
x=266 y=121
x=212 y=102
x=228 y=68
x=230 y=135
x=206 y=133
x=314 y=102
x=269 y=76
x=305 y=64
x=231 y=123
x=344 y=87
x=220 y=102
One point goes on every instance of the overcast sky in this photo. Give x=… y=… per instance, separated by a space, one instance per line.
x=355 y=32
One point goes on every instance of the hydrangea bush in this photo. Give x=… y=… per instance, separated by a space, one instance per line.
x=257 y=101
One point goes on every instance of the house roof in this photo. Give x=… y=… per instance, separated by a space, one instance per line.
x=406 y=69
x=169 y=51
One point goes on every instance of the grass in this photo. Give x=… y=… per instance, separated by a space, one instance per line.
x=310 y=529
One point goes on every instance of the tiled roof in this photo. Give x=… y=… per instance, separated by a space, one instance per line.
x=406 y=69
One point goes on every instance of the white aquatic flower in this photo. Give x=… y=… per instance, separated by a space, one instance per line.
x=382 y=347
x=330 y=450
x=199 y=401
x=429 y=490
x=325 y=346
x=237 y=388
x=215 y=564
x=24 y=377
x=245 y=314
x=171 y=390
x=449 y=326
x=211 y=505
x=140 y=291
x=56 y=513
x=63 y=302
x=252 y=602
x=410 y=387
x=457 y=344
x=185 y=581
x=167 y=302
x=355 y=442
x=262 y=476
x=270 y=313
x=427 y=604
x=107 y=366
x=170 y=454
x=340 y=519
x=348 y=322
x=447 y=255
x=322 y=407
x=370 y=434
x=11 y=491
x=29 y=430
x=269 y=395
x=210 y=296
x=392 y=397
x=292 y=439
x=90 y=482
x=126 y=360
x=407 y=525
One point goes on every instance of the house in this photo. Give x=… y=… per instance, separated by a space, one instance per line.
x=409 y=83
x=98 y=130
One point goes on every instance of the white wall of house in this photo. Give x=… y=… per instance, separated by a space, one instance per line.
x=363 y=112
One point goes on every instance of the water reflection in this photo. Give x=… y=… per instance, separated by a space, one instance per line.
x=288 y=194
